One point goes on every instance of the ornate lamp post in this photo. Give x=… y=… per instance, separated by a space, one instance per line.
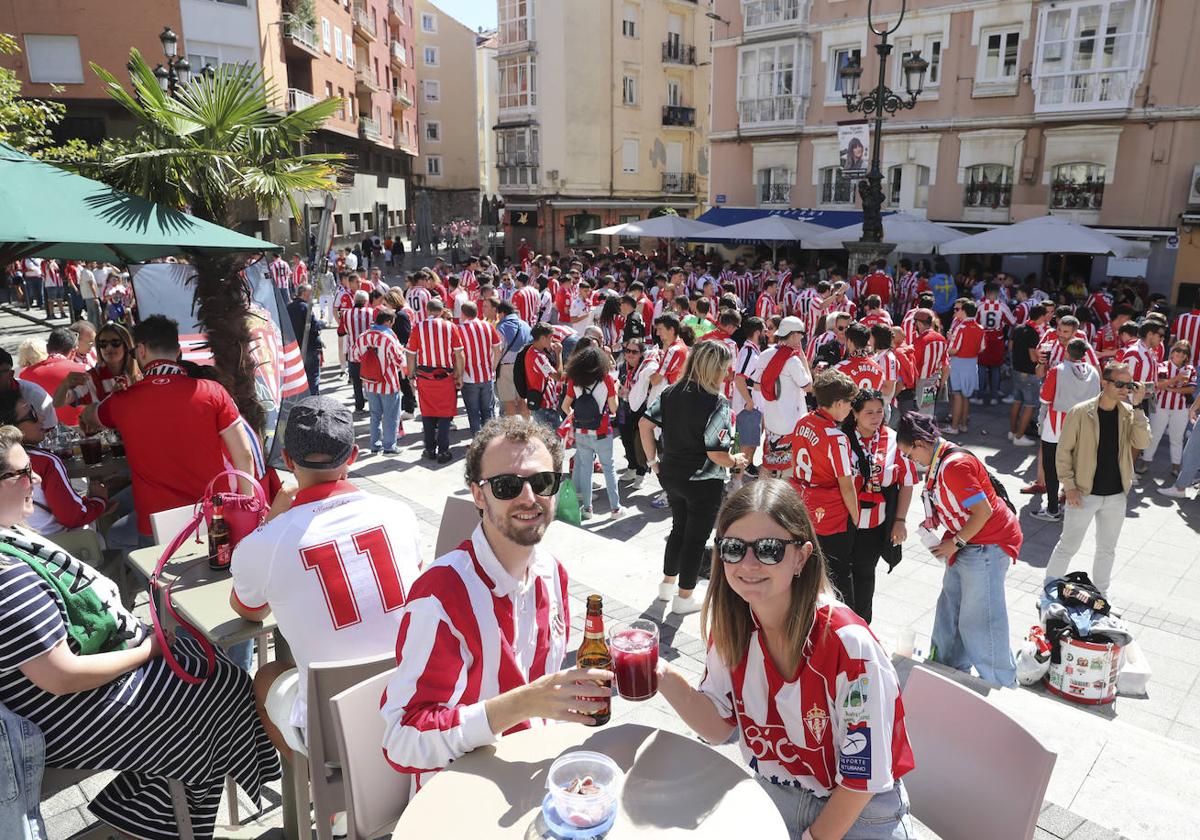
x=875 y=103
x=177 y=71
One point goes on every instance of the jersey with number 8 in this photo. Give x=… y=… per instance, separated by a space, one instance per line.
x=335 y=570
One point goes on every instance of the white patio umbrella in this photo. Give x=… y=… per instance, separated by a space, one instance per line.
x=774 y=229
x=1042 y=235
x=910 y=234
x=669 y=227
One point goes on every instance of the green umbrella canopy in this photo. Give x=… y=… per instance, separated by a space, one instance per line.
x=49 y=212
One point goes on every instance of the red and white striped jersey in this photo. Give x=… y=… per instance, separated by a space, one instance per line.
x=806 y=302
x=469 y=632
x=335 y=569
x=812 y=317
x=817 y=342
x=527 y=301
x=479 y=337
x=765 y=307
x=390 y=353
x=994 y=315
x=280 y=272
x=670 y=363
x=908 y=290
x=56 y=505
x=541 y=376
x=839 y=722
x=843 y=305
x=353 y=323
x=789 y=296
x=1058 y=351
x=1169 y=400
x=1101 y=303
x=890 y=365
x=1142 y=361
x=931 y=352
x=1051 y=427
x=909 y=325
x=434 y=340
x=418 y=298
x=51 y=276
x=469 y=283
x=745 y=286
x=343 y=298
x=879 y=317
x=1187 y=328
x=888 y=467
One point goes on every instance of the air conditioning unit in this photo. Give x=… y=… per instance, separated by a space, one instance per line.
x=1194 y=187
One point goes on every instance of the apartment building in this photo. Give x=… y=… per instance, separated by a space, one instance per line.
x=1084 y=108
x=447 y=169
x=487 y=89
x=602 y=115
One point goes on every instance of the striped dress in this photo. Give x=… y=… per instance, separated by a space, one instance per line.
x=146 y=723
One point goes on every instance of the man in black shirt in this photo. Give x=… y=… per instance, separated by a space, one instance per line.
x=1027 y=383
x=308 y=334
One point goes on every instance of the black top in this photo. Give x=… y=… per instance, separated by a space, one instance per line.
x=634 y=327
x=694 y=423
x=1024 y=339
x=301 y=315
x=1108 y=474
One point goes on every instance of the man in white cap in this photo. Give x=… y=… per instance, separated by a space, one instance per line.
x=781 y=376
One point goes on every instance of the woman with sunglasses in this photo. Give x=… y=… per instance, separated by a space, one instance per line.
x=633 y=372
x=884 y=479
x=812 y=695
x=696 y=423
x=115 y=370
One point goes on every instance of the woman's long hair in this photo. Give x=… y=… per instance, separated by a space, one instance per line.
x=707 y=365
x=130 y=367
x=588 y=366
x=725 y=619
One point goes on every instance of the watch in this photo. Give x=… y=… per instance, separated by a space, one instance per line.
x=959 y=541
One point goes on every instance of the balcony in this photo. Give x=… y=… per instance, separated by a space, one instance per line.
x=679 y=183
x=987 y=196
x=365 y=78
x=517 y=178
x=774 y=193
x=402 y=98
x=783 y=109
x=674 y=52
x=396 y=11
x=368 y=129
x=399 y=54
x=364 y=24
x=301 y=40
x=677 y=115
x=760 y=14
x=299 y=99
x=517 y=159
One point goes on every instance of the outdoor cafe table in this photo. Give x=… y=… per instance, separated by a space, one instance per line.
x=107 y=469
x=675 y=786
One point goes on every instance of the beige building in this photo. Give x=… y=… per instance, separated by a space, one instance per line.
x=602 y=117
x=487 y=92
x=1084 y=108
x=448 y=166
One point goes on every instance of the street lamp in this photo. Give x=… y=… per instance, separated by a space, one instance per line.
x=177 y=71
x=874 y=103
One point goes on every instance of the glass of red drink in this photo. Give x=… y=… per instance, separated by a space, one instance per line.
x=634 y=650
x=92 y=450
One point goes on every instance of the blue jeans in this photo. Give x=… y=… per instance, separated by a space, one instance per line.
x=22 y=763
x=970 y=626
x=385 y=410
x=34 y=295
x=1190 y=465
x=312 y=371
x=885 y=817
x=480 y=401
x=989 y=383
x=587 y=449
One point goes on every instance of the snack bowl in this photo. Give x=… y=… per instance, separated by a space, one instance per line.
x=601 y=779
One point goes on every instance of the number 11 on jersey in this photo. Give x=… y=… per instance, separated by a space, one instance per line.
x=326 y=560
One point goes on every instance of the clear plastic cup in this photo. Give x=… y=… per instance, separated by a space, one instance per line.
x=578 y=809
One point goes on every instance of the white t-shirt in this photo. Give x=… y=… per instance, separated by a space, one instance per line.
x=335 y=569
x=781 y=416
x=744 y=364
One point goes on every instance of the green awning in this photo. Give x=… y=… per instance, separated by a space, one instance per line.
x=49 y=212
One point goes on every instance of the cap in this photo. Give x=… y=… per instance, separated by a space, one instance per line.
x=319 y=425
x=924 y=315
x=789 y=325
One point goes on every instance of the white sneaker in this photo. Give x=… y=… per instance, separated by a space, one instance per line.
x=1023 y=441
x=1008 y=399
x=1173 y=492
x=617 y=514
x=665 y=591
x=628 y=473
x=689 y=605
x=638 y=480
x=1010 y=434
x=407 y=415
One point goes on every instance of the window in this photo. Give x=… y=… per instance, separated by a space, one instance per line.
x=54 y=59
x=629 y=89
x=998 y=56
x=517 y=82
x=432 y=89
x=1077 y=186
x=629 y=156
x=629 y=241
x=433 y=131
x=517 y=156
x=895 y=181
x=326 y=42
x=433 y=166
x=199 y=61
x=674 y=93
x=930 y=47
x=774 y=185
x=1089 y=55
x=767 y=85
x=895 y=176
x=629 y=21
x=431 y=56
x=989 y=185
x=577 y=228
x=839 y=58
x=338 y=43
x=760 y=13
x=515 y=20
x=428 y=22
x=921 y=196
x=339 y=224
x=349 y=49
x=836 y=186
x=355 y=223
x=933 y=76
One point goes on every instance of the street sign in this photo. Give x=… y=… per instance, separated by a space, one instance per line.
x=719 y=198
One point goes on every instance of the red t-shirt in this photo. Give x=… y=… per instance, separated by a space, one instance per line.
x=966 y=339
x=878 y=283
x=49 y=373
x=865 y=371
x=539 y=376
x=961 y=482
x=171 y=425
x=820 y=456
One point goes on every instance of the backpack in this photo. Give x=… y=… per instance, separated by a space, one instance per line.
x=589 y=414
x=520 y=383
x=997 y=487
x=370 y=368
x=908 y=367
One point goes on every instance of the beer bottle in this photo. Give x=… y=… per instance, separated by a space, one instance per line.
x=593 y=653
x=220 y=544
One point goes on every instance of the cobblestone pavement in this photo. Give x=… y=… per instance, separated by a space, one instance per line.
x=1127 y=769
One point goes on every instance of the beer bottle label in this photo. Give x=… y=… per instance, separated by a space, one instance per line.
x=593 y=625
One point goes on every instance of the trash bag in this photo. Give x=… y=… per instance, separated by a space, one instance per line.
x=1033 y=657
x=568 y=503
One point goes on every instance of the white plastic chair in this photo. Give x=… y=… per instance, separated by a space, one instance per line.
x=979 y=773
x=459 y=518
x=167 y=523
x=376 y=795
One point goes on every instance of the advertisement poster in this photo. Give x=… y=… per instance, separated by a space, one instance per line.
x=166 y=289
x=854 y=145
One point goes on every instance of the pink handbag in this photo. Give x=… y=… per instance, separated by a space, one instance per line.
x=243 y=514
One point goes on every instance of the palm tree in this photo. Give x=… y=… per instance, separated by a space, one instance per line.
x=215 y=145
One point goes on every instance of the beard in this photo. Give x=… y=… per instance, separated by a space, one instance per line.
x=524 y=533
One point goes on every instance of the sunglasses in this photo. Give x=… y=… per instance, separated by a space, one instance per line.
x=115 y=343
x=25 y=473
x=509 y=486
x=1123 y=384
x=31 y=417
x=768 y=550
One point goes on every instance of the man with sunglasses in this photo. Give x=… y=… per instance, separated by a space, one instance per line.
x=1095 y=465
x=484 y=630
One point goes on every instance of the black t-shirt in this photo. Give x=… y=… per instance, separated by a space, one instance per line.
x=635 y=327
x=694 y=423
x=1108 y=474
x=1024 y=339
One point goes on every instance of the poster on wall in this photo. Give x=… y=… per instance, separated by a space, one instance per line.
x=854 y=143
x=279 y=378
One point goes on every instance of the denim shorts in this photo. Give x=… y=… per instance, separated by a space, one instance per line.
x=749 y=427
x=964 y=375
x=886 y=816
x=1026 y=388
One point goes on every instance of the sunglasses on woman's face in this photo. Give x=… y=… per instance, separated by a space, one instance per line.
x=768 y=550
x=25 y=472
x=113 y=344
x=509 y=485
